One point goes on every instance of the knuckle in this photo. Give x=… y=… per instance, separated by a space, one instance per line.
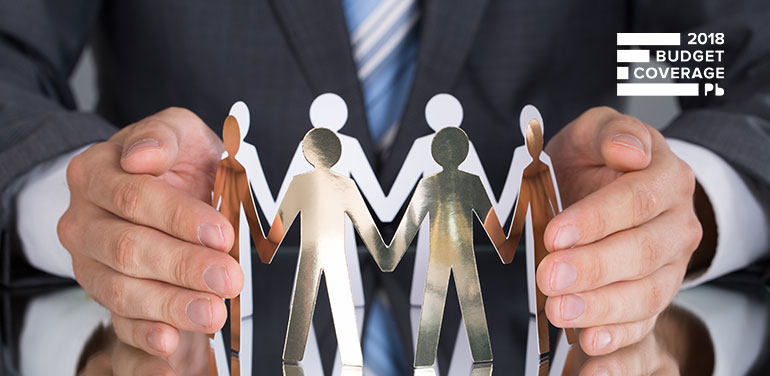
x=125 y=252
x=126 y=198
x=695 y=231
x=179 y=266
x=644 y=202
x=64 y=230
x=687 y=178
x=649 y=252
x=115 y=298
x=176 y=219
x=76 y=171
x=657 y=297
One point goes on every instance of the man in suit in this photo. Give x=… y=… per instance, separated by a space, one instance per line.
x=144 y=243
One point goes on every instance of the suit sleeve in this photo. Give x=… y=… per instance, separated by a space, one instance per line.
x=40 y=43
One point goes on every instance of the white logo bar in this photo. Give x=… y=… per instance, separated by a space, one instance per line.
x=657 y=89
x=633 y=56
x=649 y=39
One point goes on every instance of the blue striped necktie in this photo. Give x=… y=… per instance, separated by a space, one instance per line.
x=383 y=35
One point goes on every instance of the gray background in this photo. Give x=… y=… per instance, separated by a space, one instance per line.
x=656 y=111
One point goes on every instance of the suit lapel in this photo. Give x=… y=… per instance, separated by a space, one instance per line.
x=318 y=35
x=447 y=32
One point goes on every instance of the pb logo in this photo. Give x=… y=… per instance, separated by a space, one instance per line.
x=714 y=88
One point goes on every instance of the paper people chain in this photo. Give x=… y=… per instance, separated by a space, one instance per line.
x=452 y=188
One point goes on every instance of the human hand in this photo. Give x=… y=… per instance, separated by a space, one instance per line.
x=145 y=243
x=619 y=251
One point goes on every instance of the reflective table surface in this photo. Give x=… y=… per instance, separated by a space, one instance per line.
x=718 y=328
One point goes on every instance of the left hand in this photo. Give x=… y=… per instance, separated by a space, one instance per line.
x=620 y=249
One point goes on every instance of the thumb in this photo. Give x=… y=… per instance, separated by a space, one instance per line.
x=625 y=144
x=151 y=147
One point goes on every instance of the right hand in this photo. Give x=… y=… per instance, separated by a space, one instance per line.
x=144 y=240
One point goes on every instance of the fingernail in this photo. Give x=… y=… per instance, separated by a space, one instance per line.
x=602 y=339
x=211 y=236
x=563 y=275
x=142 y=144
x=628 y=140
x=217 y=279
x=566 y=237
x=199 y=312
x=601 y=372
x=572 y=307
x=155 y=340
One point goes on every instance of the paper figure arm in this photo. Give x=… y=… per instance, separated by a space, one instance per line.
x=506 y=245
x=365 y=226
x=551 y=192
x=219 y=186
x=287 y=212
x=386 y=207
x=415 y=213
x=485 y=212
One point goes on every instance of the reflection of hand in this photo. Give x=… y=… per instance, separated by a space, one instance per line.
x=144 y=241
x=118 y=358
x=620 y=250
x=679 y=343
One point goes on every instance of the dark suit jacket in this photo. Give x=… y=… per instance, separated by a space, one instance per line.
x=277 y=55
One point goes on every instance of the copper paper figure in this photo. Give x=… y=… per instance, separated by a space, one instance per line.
x=537 y=194
x=323 y=198
x=232 y=188
x=449 y=199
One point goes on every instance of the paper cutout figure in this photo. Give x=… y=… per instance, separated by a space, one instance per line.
x=449 y=198
x=538 y=197
x=233 y=191
x=323 y=198
x=328 y=111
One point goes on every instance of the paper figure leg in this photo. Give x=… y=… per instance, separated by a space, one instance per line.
x=432 y=312
x=343 y=312
x=354 y=265
x=414 y=319
x=472 y=307
x=420 y=263
x=303 y=303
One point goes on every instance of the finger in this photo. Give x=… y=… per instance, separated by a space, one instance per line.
x=97 y=365
x=129 y=361
x=624 y=256
x=619 y=302
x=146 y=200
x=643 y=358
x=153 y=337
x=146 y=253
x=151 y=146
x=628 y=201
x=601 y=340
x=151 y=300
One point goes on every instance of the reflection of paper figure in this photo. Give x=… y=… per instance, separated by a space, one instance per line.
x=232 y=191
x=449 y=198
x=538 y=198
x=322 y=198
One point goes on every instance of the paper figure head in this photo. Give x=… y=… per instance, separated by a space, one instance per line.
x=443 y=110
x=240 y=112
x=450 y=147
x=231 y=135
x=322 y=148
x=534 y=139
x=328 y=111
x=528 y=113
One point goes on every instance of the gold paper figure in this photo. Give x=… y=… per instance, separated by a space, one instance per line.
x=537 y=193
x=322 y=198
x=449 y=198
x=232 y=187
